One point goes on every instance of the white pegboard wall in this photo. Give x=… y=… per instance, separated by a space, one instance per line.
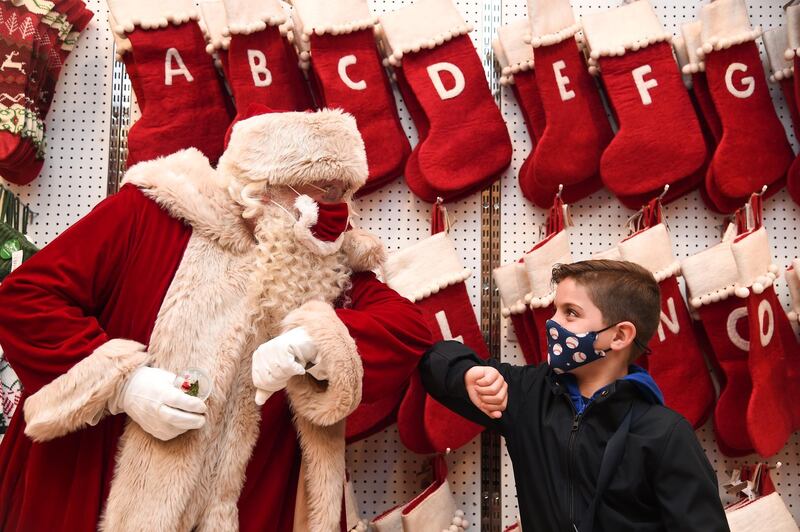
x=599 y=222
x=73 y=179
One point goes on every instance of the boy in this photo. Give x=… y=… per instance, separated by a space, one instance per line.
x=558 y=419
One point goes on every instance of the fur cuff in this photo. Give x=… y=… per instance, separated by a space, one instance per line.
x=423 y=24
x=78 y=397
x=150 y=14
x=793 y=280
x=364 y=250
x=249 y=16
x=214 y=23
x=511 y=50
x=776 y=41
x=336 y=17
x=693 y=41
x=512 y=283
x=724 y=24
x=552 y=21
x=328 y=402
x=793 y=32
x=652 y=249
x=122 y=45
x=710 y=275
x=539 y=265
x=627 y=28
x=754 y=262
x=425 y=268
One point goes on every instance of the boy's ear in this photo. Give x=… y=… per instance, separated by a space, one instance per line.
x=624 y=336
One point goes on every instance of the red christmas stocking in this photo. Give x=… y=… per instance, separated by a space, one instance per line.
x=575 y=115
x=515 y=58
x=512 y=282
x=753 y=150
x=776 y=42
x=467 y=145
x=178 y=79
x=347 y=66
x=430 y=274
x=659 y=140
x=711 y=277
x=793 y=280
x=539 y=262
x=676 y=363
x=694 y=67
x=263 y=63
x=792 y=54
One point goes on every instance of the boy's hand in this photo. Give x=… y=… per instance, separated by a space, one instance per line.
x=487 y=390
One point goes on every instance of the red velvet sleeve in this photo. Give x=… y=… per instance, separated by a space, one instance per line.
x=50 y=304
x=390 y=333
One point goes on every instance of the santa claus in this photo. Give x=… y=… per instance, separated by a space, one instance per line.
x=250 y=273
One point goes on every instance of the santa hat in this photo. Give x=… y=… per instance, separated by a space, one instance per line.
x=297 y=149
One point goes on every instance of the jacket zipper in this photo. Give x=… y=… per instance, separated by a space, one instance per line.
x=576 y=422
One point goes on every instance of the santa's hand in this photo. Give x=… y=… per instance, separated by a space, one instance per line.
x=150 y=398
x=280 y=359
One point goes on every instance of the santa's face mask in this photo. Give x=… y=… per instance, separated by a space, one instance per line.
x=321 y=226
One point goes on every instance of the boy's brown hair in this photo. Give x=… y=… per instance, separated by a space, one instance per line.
x=623 y=291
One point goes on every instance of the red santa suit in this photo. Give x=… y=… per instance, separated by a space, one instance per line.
x=156 y=275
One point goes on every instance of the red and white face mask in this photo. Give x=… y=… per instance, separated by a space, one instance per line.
x=321 y=226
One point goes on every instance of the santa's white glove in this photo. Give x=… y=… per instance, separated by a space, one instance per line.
x=283 y=357
x=150 y=398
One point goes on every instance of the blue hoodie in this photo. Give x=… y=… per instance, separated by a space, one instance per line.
x=638 y=376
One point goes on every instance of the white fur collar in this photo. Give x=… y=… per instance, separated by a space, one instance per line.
x=189 y=189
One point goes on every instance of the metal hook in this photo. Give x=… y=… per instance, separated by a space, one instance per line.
x=560 y=190
x=664 y=193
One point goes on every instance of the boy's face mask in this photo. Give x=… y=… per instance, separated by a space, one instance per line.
x=567 y=350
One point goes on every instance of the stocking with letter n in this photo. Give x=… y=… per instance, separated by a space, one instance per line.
x=659 y=140
x=753 y=150
x=711 y=278
x=346 y=68
x=773 y=355
x=675 y=361
x=430 y=274
x=466 y=146
x=539 y=263
x=185 y=104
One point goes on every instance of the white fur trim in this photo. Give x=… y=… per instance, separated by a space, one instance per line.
x=435 y=512
x=517 y=54
x=627 y=28
x=78 y=398
x=250 y=16
x=793 y=32
x=424 y=24
x=539 y=267
x=724 y=24
x=754 y=262
x=512 y=283
x=609 y=254
x=331 y=16
x=297 y=148
x=213 y=22
x=710 y=275
x=793 y=280
x=692 y=38
x=425 y=268
x=552 y=21
x=309 y=214
x=776 y=42
x=122 y=45
x=150 y=14
x=652 y=249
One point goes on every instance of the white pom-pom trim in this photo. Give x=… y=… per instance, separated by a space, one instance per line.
x=723 y=44
x=713 y=297
x=694 y=68
x=152 y=23
x=441 y=284
x=458 y=523
x=517 y=308
x=437 y=40
x=553 y=38
x=792 y=315
x=341 y=29
x=260 y=24
x=791 y=53
x=540 y=302
x=782 y=74
x=670 y=271
x=634 y=46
